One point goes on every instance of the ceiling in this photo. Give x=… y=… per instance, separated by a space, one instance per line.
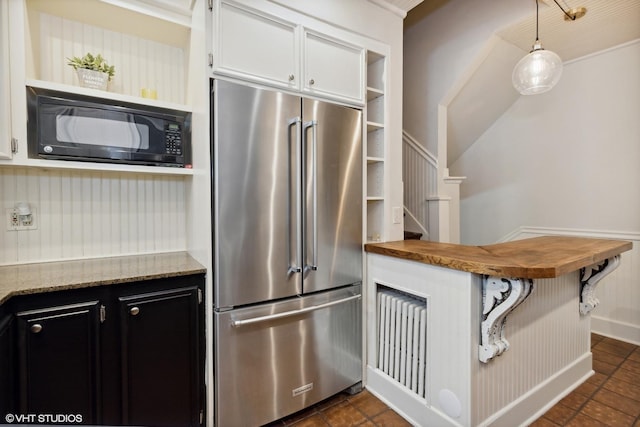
x=486 y=92
x=607 y=23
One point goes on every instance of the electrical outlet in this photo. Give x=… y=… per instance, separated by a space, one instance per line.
x=17 y=222
x=12 y=215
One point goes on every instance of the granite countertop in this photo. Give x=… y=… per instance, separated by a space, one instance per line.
x=536 y=258
x=23 y=279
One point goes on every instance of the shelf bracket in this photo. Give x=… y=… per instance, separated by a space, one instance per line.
x=500 y=296
x=589 y=281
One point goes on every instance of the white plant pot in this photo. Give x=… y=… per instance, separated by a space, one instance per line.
x=92 y=79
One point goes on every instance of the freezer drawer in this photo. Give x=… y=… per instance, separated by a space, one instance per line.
x=275 y=359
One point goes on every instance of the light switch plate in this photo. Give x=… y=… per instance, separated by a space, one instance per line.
x=396 y=214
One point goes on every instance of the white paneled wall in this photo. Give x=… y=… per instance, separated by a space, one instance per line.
x=139 y=63
x=90 y=214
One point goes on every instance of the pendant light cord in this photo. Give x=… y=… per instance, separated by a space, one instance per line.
x=573 y=18
x=537 y=40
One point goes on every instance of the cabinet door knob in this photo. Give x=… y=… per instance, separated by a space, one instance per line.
x=134 y=311
x=36 y=328
x=291 y=77
x=312 y=82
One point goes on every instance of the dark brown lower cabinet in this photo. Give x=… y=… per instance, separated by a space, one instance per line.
x=59 y=360
x=160 y=370
x=126 y=354
x=7 y=371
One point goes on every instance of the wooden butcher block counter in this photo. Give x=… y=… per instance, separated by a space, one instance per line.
x=537 y=258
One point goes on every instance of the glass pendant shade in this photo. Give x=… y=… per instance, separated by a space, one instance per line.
x=537 y=72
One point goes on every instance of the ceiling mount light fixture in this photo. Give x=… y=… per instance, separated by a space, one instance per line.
x=540 y=70
x=575 y=13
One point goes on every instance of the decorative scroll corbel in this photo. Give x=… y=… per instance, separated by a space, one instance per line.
x=500 y=297
x=589 y=281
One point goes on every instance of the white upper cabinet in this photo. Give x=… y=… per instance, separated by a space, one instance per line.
x=5 y=106
x=257 y=46
x=332 y=68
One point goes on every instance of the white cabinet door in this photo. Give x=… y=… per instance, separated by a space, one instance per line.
x=5 y=103
x=333 y=68
x=256 y=46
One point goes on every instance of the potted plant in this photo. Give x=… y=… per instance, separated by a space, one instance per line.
x=93 y=71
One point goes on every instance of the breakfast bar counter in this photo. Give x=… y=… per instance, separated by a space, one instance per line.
x=505 y=329
x=541 y=257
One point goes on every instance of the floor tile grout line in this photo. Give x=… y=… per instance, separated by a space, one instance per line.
x=599 y=387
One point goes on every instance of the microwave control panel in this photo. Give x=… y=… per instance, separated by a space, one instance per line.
x=173 y=139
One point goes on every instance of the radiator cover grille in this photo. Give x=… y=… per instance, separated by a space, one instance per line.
x=402 y=339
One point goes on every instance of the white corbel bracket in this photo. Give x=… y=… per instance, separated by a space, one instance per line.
x=589 y=281
x=500 y=296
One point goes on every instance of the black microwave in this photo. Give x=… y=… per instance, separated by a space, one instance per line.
x=65 y=126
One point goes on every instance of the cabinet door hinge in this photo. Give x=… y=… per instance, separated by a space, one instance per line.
x=103 y=313
x=14 y=145
x=211 y=60
x=201 y=416
x=199 y=296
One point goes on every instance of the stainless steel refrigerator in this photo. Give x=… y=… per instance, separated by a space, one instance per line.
x=287 y=195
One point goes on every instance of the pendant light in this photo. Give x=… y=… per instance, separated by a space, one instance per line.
x=539 y=71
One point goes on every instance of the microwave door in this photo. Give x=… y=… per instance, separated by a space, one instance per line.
x=73 y=127
x=102 y=132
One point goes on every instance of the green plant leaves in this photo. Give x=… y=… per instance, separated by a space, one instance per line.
x=92 y=62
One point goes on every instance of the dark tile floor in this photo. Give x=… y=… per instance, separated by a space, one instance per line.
x=611 y=398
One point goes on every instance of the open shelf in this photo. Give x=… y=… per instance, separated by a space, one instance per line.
x=148 y=47
x=61 y=87
x=103 y=167
x=375 y=146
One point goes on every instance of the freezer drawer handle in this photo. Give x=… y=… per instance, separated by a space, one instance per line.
x=236 y=323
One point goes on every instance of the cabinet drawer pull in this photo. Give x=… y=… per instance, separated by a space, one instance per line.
x=312 y=82
x=134 y=311
x=291 y=77
x=36 y=328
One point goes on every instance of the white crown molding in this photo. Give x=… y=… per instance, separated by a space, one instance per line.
x=391 y=8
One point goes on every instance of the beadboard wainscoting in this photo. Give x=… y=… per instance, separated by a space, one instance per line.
x=139 y=63
x=618 y=314
x=86 y=214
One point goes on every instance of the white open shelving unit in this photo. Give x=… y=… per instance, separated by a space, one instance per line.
x=375 y=147
x=147 y=42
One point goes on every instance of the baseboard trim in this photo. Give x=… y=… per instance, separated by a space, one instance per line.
x=552 y=231
x=409 y=406
x=617 y=330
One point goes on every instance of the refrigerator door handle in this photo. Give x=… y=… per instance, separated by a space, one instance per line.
x=243 y=322
x=298 y=258
x=313 y=124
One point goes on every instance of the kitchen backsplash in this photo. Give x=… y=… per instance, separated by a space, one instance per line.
x=81 y=214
